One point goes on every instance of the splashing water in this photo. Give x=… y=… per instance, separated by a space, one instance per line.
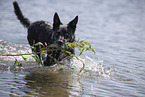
x=67 y=76
x=93 y=68
x=8 y=48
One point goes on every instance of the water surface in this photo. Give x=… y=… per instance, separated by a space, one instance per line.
x=116 y=30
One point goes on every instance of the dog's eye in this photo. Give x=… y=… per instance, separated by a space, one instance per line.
x=66 y=34
x=58 y=33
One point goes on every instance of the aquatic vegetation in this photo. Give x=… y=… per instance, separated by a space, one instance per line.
x=81 y=45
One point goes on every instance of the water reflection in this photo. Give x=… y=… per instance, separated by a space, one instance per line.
x=46 y=84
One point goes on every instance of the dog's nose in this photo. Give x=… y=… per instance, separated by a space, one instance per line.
x=60 y=43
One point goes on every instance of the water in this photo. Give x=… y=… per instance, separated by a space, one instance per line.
x=116 y=30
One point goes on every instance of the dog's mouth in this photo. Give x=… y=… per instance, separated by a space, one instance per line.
x=60 y=43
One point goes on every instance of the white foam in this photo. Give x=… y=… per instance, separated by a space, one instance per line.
x=93 y=66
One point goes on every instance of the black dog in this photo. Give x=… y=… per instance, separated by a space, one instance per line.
x=47 y=33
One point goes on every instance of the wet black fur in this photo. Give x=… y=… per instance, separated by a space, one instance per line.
x=47 y=33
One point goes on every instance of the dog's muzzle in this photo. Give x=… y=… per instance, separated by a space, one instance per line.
x=60 y=43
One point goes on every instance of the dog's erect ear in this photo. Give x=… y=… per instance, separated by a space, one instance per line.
x=73 y=23
x=56 y=21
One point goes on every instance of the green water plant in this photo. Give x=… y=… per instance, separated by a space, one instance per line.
x=81 y=45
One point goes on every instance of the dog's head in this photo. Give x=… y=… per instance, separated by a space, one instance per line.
x=64 y=33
